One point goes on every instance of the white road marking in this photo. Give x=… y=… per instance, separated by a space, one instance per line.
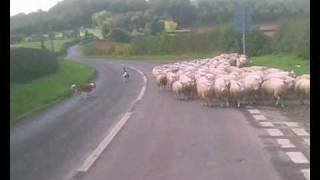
x=297 y=157
x=285 y=143
x=114 y=131
x=141 y=93
x=290 y=124
x=274 y=132
x=307 y=141
x=306 y=173
x=259 y=117
x=266 y=124
x=105 y=142
x=300 y=132
x=254 y=111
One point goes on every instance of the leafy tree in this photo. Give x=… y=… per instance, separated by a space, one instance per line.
x=170 y=26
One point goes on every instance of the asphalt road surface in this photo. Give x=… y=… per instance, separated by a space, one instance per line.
x=164 y=139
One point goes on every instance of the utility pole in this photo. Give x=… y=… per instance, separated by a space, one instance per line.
x=244 y=31
x=243 y=23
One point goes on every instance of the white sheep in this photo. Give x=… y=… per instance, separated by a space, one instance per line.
x=276 y=88
x=302 y=89
x=236 y=92
x=221 y=88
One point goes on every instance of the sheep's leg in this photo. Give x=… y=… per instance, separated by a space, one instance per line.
x=277 y=100
x=238 y=103
x=227 y=102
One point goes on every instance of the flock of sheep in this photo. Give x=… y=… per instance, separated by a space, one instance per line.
x=224 y=79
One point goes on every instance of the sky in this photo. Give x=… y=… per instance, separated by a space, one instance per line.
x=27 y=6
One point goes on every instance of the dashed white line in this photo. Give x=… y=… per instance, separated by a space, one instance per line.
x=266 y=124
x=259 y=117
x=290 y=124
x=274 y=132
x=307 y=141
x=254 y=111
x=285 y=143
x=300 y=132
x=297 y=157
x=306 y=173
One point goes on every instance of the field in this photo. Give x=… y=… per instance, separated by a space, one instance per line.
x=283 y=61
x=58 y=44
x=95 y=32
x=28 y=98
x=120 y=51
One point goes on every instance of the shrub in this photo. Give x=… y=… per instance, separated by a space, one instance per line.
x=293 y=36
x=28 y=63
x=16 y=39
x=257 y=43
x=119 y=35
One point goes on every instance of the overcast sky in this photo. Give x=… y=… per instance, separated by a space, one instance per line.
x=27 y=6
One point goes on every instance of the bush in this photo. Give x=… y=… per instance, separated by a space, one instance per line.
x=16 y=39
x=28 y=63
x=119 y=35
x=293 y=36
x=257 y=43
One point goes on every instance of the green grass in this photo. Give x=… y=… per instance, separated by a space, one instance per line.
x=58 y=44
x=28 y=98
x=167 y=57
x=90 y=50
x=283 y=61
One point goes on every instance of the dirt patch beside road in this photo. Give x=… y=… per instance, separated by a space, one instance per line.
x=298 y=113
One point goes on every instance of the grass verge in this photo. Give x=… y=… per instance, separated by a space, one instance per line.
x=167 y=57
x=283 y=61
x=28 y=98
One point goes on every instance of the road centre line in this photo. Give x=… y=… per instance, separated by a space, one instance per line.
x=113 y=132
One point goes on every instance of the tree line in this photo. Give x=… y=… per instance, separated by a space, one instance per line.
x=133 y=15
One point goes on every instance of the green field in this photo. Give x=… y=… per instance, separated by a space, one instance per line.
x=28 y=98
x=58 y=44
x=283 y=61
x=168 y=57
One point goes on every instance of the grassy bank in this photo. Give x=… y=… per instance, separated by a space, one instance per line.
x=283 y=61
x=28 y=98
x=58 y=44
x=167 y=57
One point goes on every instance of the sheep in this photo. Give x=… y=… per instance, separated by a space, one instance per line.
x=275 y=87
x=205 y=90
x=236 y=92
x=221 y=77
x=171 y=78
x=304 y=76
x=302 y=89
x=221 y=87
x=161 y=80
x=251 y=88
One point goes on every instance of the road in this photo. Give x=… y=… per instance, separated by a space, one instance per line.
x=164 y=139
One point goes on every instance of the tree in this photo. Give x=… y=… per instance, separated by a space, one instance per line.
x=170 y=26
